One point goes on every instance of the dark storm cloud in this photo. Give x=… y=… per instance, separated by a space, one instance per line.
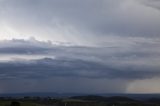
x=64 y=85
x=110 y=41
x=20 y=46
x=48 y=68
x=133 y=62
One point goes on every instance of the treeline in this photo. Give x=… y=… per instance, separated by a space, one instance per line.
x=90 y=100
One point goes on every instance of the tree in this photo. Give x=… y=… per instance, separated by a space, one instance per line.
x=14 y=103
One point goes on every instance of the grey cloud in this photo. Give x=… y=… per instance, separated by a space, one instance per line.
x=73 y=65
x=64 y=85
x=108 y=40
x=81 y=18
x=20 y=46
x=48 y=68
x=152 y=3
x=135 y=61
x=118 y=67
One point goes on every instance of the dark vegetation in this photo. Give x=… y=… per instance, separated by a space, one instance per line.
x=15 y=103
x=90 y=100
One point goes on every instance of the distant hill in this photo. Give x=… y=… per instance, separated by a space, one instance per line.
x=154 y=100
x=141 y=97
x=120 y=99
x=101 y=96
x=39 y=94
x=90 y=98
x=104 y=99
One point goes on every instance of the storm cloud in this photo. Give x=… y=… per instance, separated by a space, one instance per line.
x=133 y=62
x=104 y=43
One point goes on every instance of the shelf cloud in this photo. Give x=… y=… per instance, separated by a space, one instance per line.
x=104 y=42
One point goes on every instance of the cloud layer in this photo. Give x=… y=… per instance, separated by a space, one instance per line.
x=104 y=42
x=137 y=61
x=80 y=22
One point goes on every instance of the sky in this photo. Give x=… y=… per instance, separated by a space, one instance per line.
x=80 y=46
